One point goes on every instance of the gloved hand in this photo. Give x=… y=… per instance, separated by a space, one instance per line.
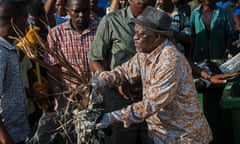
x=236 y=43
x=106 y=120
x=97 y=82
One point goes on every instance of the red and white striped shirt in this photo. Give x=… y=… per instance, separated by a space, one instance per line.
x=73 y=44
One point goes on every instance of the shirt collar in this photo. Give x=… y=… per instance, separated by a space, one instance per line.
x=175 y=11
x=92 y=26
x=129 y=15
x=6 y=44
x=154 y=54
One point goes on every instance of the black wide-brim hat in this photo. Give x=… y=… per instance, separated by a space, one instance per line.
x=154 y=20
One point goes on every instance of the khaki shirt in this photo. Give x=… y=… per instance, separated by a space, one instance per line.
x=113 y=43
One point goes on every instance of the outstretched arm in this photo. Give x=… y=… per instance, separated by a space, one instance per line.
x=215 y=79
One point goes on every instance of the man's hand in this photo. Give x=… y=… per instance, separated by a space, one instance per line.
x=221 y=78
x=97 y=83
x=125 y=93
x=5 y=137
x=129 y=91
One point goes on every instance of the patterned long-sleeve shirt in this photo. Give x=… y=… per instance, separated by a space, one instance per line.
x=170 y=104
x=13 y=110
x=74 y=45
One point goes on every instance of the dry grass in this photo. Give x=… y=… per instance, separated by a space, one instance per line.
x=77 y=97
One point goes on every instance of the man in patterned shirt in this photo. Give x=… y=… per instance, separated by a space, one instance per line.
x=74 y=39
x=14 y=125
x=170 y=105
x=112 y=46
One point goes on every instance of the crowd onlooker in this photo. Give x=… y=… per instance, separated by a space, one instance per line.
x=37 y=17
x=14 y=125
x=60 y=14
x=117 y=4
x=212 y=29
x=74 y=39
x=96 y=12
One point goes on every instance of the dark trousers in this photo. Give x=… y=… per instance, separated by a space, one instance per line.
x=22 y=142
x=135 y=134
x=219 y=119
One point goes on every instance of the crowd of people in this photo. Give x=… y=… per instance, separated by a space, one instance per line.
x=146 y=54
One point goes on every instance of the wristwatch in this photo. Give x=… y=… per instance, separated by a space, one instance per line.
x=209 y=77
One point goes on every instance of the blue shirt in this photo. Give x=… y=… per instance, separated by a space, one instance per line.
x=223 y=4
x=61 y=19
x=13 y=108
x=103 y=3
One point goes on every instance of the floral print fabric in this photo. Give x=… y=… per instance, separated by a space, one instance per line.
x=170 y=104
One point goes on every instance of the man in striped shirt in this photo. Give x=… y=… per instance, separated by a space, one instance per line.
x=74 y=39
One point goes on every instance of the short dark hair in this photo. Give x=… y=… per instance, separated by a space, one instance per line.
x=9 y=9
x=69 y=2
x=36 y=8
